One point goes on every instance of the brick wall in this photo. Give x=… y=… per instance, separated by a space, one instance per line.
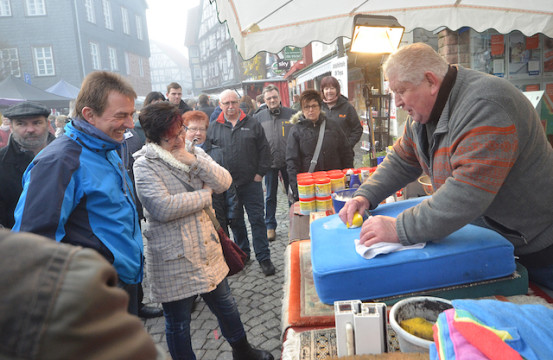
x=455 y=46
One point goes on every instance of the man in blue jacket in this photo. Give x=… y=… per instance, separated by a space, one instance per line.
x=78 y=191
x=247 y=156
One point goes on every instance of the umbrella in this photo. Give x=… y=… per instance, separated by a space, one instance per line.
x=270 y=25
x=65 y=89
x=13 y=89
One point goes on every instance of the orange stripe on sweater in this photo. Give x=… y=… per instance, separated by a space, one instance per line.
x=485 y=130
x=480 y=131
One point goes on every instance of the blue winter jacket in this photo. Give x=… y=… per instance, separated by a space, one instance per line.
x=77 y=191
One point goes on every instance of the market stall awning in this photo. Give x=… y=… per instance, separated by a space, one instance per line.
x=13 y=88
x=63 y=88
x=270 y=25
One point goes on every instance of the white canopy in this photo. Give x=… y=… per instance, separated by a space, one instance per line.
x=270 y=25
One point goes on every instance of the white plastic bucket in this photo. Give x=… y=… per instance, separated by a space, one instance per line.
x=426 y=307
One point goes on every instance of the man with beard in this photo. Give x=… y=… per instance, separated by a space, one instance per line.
x=29 y=127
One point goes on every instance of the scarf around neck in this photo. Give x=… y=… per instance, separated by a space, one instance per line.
x=167 y=157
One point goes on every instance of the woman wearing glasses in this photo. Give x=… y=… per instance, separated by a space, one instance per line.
x=224 y=204
x=184 y=257
x=300 y=147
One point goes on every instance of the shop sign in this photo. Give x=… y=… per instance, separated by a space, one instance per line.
x=283 y=65
x=339 y=69
x=276 y=70
x=292 y=53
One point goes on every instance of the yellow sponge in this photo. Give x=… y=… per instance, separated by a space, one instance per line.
x=419 y=327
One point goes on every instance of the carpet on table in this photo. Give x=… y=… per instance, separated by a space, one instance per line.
x=311 y=344
x=320 y=343
x=301 y=305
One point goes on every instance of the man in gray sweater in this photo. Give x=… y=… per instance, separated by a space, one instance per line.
x=482 y=144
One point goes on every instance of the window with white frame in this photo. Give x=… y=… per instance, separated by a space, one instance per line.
x=35 y=7
x=9 y=62
x=139 y=34
x=127 y=64
x=112 y=59
x=125 y=19
x=95 y=56
x=5 y=8
x=140 y=67
x=108 y=20
x=89 y=7
x=44 y=61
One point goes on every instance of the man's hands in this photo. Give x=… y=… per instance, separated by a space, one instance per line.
x=375 y=229
x=378 y=229
x=358 y=203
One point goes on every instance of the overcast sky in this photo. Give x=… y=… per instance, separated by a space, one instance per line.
x=167 y=20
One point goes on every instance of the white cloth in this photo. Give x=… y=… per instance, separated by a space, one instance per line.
x=382 y=248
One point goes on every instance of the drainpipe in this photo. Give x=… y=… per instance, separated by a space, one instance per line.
x=79 y=38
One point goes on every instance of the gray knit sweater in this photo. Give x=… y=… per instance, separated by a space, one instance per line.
x=490 y=161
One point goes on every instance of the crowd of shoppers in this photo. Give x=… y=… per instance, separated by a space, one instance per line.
x=79 y=190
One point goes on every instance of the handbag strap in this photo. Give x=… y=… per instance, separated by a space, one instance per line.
x=207 y=209
x=318 y=147
x=213 y=219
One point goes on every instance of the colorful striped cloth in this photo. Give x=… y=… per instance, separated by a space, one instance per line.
x=492 y=329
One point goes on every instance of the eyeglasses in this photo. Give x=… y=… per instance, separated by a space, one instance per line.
x=310 y=107
x=227 y=103
x=196 y=130
x=183 y=129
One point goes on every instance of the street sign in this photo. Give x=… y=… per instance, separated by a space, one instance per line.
x=292 y=53
x=27 y=78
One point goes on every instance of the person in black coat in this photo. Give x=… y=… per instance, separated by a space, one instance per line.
x=337 y=107
x=133 y=142
x=29 y=127
x=335 y=151
x=174 y=96
x=203 y=101
x=247 y=157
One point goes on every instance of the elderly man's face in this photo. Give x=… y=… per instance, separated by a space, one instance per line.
x=117 y=116
x=230 y=105
x=272 y=99
x=30 y=132
x=417 y=100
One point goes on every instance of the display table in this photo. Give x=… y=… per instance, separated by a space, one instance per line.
x=310 y=323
